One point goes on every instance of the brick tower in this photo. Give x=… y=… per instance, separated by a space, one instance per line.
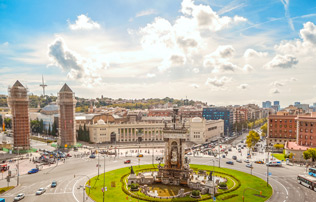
x=66 y=101
x=19 y=104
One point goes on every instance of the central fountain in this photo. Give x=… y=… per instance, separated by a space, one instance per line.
x=176 y=170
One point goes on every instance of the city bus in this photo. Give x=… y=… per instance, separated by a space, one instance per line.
x=312 y=172
x=307 y=181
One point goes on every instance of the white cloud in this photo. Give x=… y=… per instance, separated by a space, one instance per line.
x=146 y=12
x=218 y=82
x=243 y=86
x=277 y=83
x=196 y=70
x=205 y=17
x=83 y=22
x=282 y=61
x=185 y=36
x=274 y=91
x=219 y=59
x=247 y=68
x=194 y=85
x=308 y=33
x=149 y=75
x=251 y=53
x=77 y=67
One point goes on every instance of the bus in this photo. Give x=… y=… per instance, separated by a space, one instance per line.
x=312 y=172
x=307 y=181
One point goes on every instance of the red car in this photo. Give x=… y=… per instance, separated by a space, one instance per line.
x=127 y=161
x=68 y=155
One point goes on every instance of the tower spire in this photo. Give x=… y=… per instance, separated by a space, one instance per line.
x=43 y=85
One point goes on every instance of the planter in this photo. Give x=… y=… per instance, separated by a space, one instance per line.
x=135 y=189
x=222 y=187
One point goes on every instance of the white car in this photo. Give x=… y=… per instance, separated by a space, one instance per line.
x=19 y=197
x=246 y=161
x=40 y=191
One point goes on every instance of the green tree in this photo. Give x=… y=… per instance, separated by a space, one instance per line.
x=278 y=146
x=310 y=154
x=54 y=129
x=264 y=130
x=49 y=130
x=41 y=126
x=8 y=122
x=35 y=126
x=252 y=139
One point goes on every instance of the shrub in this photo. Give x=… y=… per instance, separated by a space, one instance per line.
x=134 y=186
x=222 y=184
x=196 y=193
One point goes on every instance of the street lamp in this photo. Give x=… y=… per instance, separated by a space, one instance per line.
x=86 y=185
x=213 y=178
x=103 y=177
x=18 y=166
x=268 y=166
x=83 y=190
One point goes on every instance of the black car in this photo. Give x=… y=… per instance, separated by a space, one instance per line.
x=234 y=157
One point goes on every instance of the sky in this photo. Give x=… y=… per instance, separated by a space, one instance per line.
x=218 y=51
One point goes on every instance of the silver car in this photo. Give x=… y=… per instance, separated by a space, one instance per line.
x=40 y=191
x=19 y=197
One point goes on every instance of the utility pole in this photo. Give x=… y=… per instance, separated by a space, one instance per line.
x=98 y=164
x=219 y=156
x=103 y=177
x=268 y=168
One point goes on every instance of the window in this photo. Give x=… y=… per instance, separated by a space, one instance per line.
x=311 y=130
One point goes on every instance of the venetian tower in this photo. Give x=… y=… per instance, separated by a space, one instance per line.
x=19 y=103
x=67 y=102
x=176 y=170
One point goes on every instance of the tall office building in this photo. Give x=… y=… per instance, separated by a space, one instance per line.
x=216 y=113
x=67 y=102
x=264 y=105
x=277 y=104
x=19 y=104
x=268 y=104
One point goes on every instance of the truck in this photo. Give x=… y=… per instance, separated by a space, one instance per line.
x=274 y=163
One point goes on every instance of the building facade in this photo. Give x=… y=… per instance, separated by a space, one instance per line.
x=216 y=113
x=19 y=104
x=281 y=128
x=306 y=135
x=67 y=102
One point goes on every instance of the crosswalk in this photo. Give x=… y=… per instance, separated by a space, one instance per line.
x=64 y=186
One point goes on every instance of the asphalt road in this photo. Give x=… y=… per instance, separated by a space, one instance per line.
x=283 y=179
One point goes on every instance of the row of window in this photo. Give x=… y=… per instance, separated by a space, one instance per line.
x=306 y=137
x=285 y=121
x=290 y=131
x=276 y=136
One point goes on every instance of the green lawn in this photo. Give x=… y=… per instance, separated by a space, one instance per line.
x=4 y=189
x=279 y=156
x=114 y=186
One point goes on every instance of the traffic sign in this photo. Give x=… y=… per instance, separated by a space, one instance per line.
x=214 y=198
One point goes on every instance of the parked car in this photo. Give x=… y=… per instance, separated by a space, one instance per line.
x=234 y=157
x=19 y=197
x=259 y=162
x=68 y=155
x=249 y=165
x=54 y=184
x=246 y=161
x=229 y=149
x=34 y=170
x=223 y=156
x=92 y=156
x=230 y=162
x=127 y=161
x=140 y=155
x=40 y=191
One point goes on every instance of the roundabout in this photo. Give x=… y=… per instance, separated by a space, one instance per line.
x=239 y=185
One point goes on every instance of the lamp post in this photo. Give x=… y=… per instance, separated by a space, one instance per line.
x=103 y=177
x=268 y=166
x=85 y=185
x=213 y=178
x=18 y=167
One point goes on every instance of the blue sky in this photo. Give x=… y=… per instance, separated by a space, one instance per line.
x=222 y=52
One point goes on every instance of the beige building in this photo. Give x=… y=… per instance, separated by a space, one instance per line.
x=200 y=130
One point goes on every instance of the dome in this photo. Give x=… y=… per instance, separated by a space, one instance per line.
x=101 y=122
x=197 y=120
